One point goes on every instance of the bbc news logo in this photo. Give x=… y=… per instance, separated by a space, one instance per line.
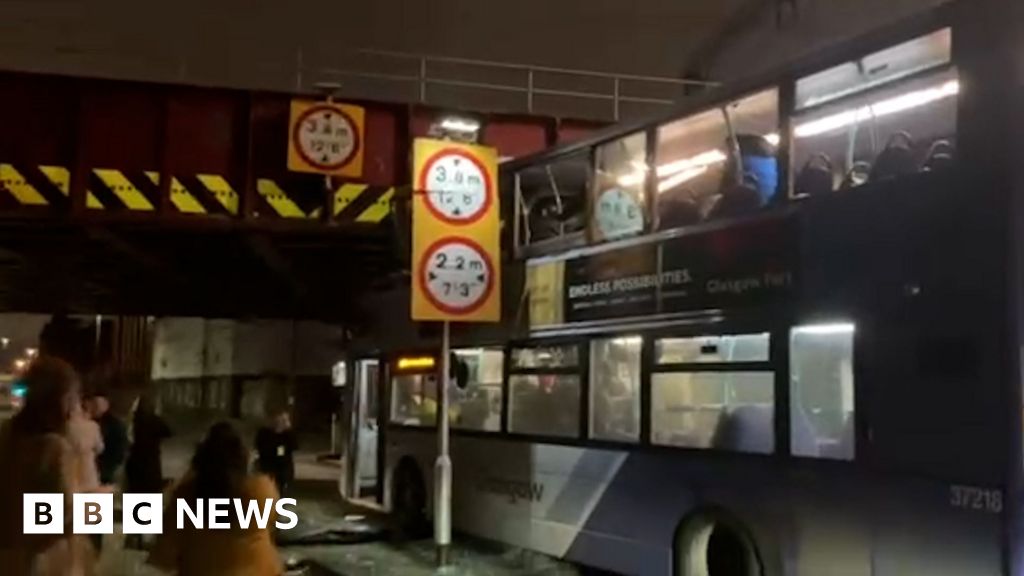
x=143 y=513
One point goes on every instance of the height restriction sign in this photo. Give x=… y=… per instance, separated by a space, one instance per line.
x=456 y=248
x=326 y=138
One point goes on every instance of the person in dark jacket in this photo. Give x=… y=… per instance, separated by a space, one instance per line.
x=115 y=438
x=142 y=471
x=275 y=449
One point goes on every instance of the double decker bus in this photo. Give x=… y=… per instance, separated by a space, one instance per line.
x=775 y=332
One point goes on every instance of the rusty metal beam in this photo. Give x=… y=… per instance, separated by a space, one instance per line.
x=264 y=249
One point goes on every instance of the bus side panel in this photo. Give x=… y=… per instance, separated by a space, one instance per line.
x=806 y=522
x=622 y=512
x=529 y=495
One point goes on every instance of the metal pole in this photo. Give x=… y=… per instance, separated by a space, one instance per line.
x=615 y=84
x=423 y=80
x=529 y=91
x=443 y=467
x=334 y=433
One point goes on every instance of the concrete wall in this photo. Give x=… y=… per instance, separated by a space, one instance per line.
x=227 y=368
x=193 y=347
x=242 y=42
x=178 y=348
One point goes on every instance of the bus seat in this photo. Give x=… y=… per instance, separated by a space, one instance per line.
x=858 y=175
x=748 y=428
x=816 y=177
x=678 y=208
x=896 y=159
x=548 y=216
x=940 y=156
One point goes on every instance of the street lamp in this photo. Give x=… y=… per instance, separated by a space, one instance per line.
x=458 y=128
x=31 y=352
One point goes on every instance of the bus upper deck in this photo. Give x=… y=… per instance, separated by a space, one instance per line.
x=886 y=114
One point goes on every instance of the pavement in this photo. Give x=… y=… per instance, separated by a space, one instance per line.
x=338 y=538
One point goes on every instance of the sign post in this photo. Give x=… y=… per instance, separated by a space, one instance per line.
x=443 y=465
x=456 y=273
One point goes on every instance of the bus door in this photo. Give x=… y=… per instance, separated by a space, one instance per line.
x=362 y=469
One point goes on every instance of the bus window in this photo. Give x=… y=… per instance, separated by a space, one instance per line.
x=478 y=406
x=906 y=59
x=712 y=349
x=721 y=410
x=695 y=178
x=821 y=391
x=890 y=114
x=553 y=198
x=619 y=204
x=544 y=404
x=414 y=399
x=615 y=389
x=546 y=357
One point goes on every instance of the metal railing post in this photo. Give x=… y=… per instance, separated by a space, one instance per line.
x=529 y=91
x=423 y=80
x=615 y=98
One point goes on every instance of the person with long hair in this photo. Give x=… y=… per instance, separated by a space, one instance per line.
x=37 y=457
x=219 y=469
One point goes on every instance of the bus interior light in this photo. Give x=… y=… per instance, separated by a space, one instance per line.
x=679 y=171
x=677 y=179
x=416 y=363
x=469 y=352
x=455 y=124
x=826 y=329
x=882 y=108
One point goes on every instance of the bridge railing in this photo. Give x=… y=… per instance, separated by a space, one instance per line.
x=498 y=86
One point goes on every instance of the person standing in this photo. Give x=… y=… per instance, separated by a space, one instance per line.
x=275 y=450
x=87 y=440
x=115 y=439
x=142 y=470
x=220 y=470
x=38 y=458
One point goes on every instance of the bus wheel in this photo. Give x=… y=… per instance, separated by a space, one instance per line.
x=409 y=501
x=713 y=543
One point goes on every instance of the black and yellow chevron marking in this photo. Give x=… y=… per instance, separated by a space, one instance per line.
x=275 y=202
x=43 y=186
x=362 y=203
x=26 y=186
x=118 y=191
x=201 y=194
